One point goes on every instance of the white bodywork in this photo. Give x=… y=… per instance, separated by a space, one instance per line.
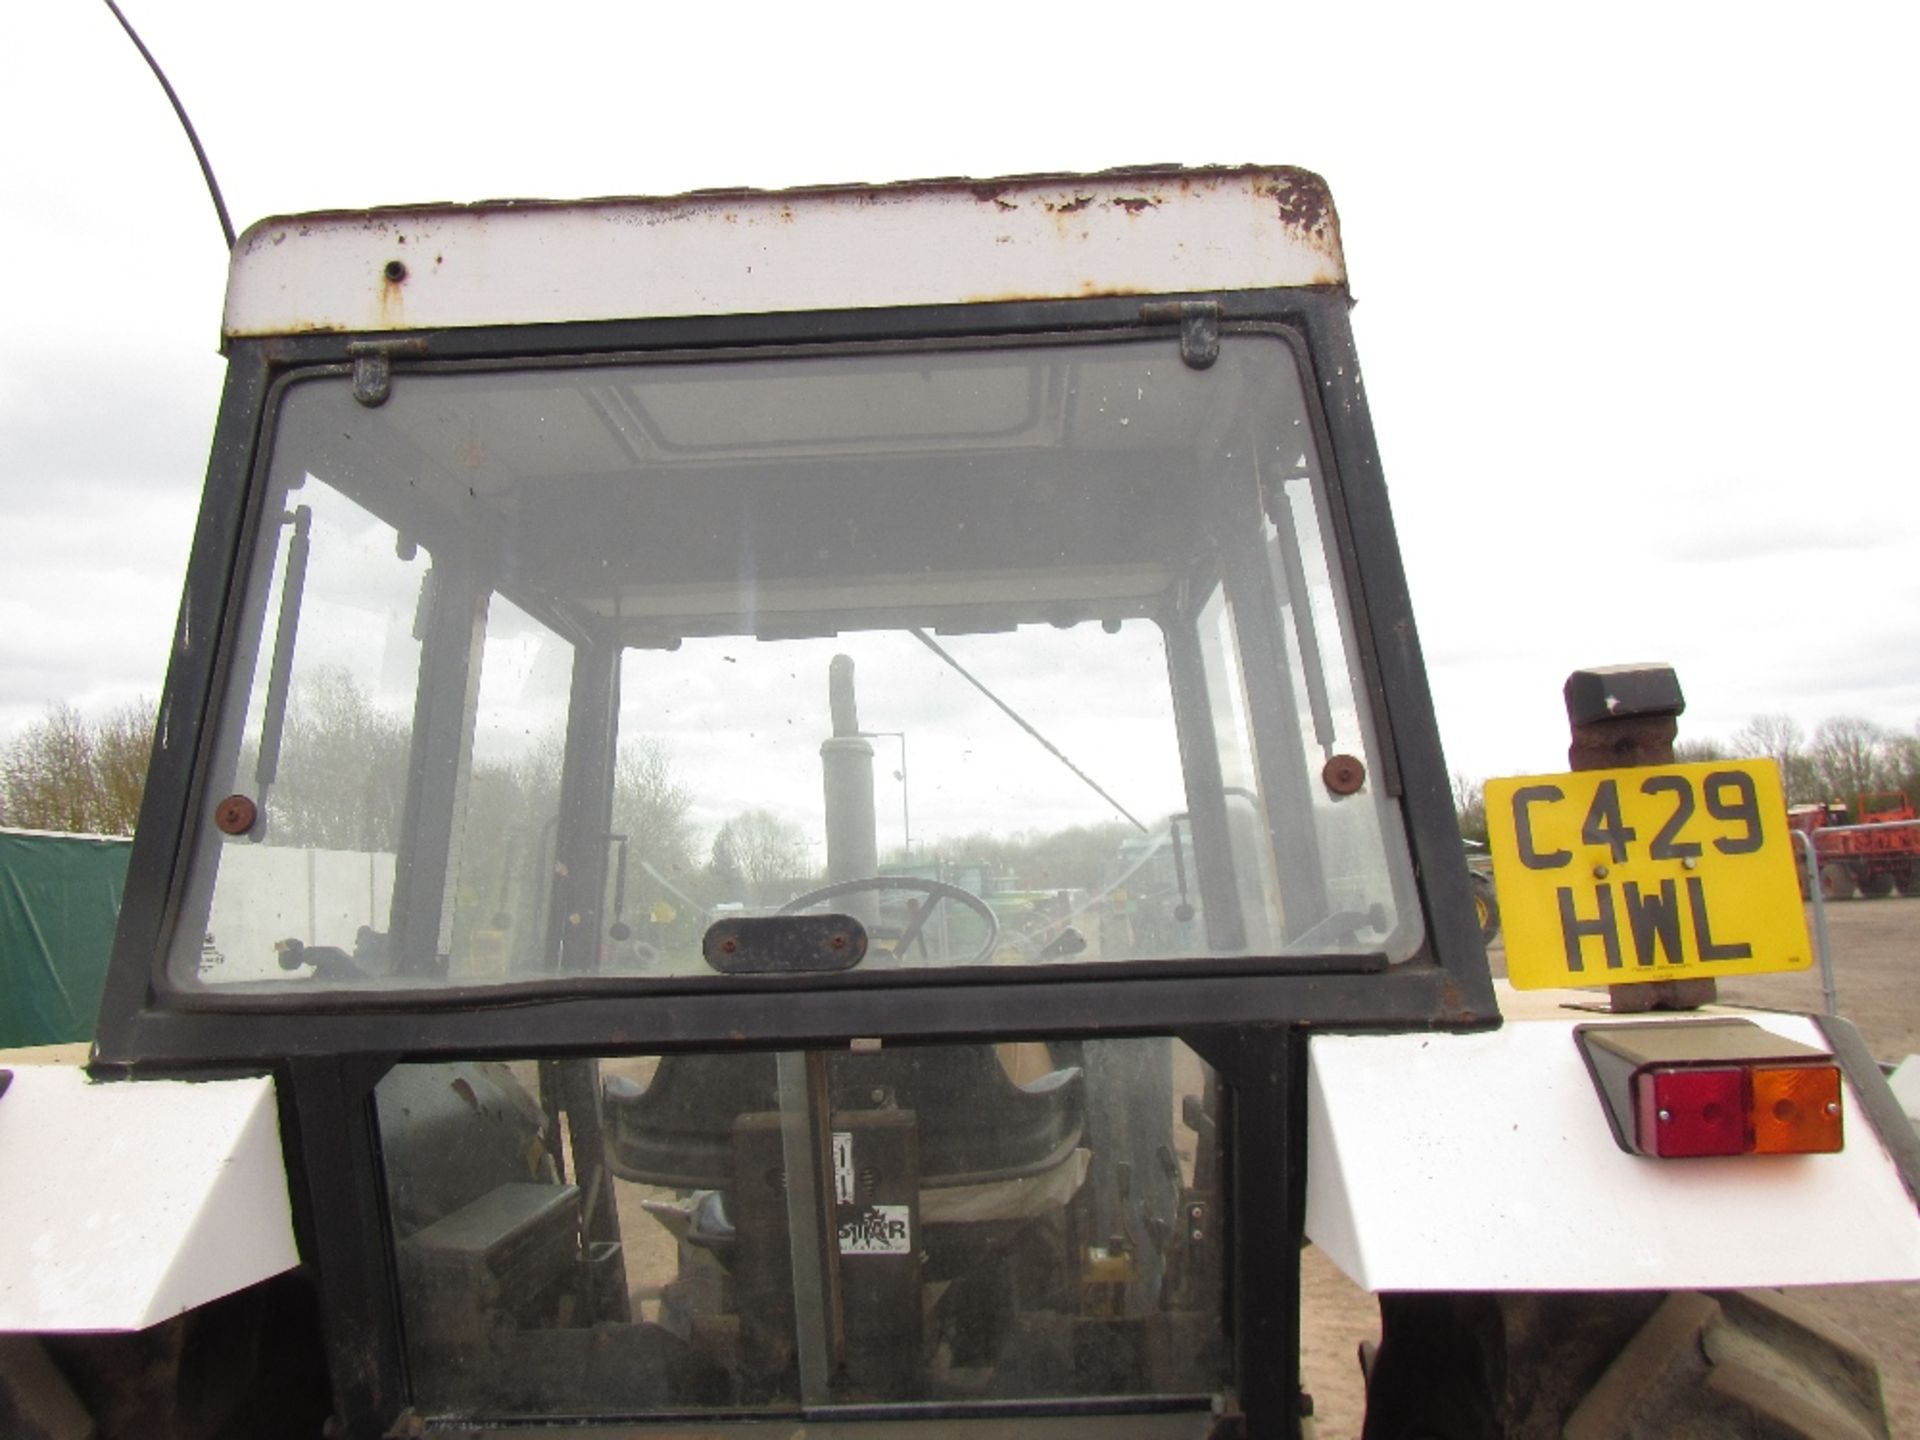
x=1905 y=1084
x=1485 y=1162
x=127 y=1203
x=1143 y=232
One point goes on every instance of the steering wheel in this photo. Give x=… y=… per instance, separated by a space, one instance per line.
x=934 y=890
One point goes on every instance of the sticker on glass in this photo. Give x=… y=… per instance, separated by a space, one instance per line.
x=877 y=1230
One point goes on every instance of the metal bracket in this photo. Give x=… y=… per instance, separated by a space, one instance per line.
x=1199 y=327
x=784 y=944
x=373 y=367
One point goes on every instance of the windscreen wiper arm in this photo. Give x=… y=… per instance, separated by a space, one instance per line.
x=279 y=679
x=1054 y=750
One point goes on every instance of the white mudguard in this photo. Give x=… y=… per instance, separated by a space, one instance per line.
x=1485 y=1162
x=1905 y=1084
x=125 y=1203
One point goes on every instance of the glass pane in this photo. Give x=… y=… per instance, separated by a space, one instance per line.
x=726 y=749
x=500 y=920
x=1256 y=881
x=1355 y=834
x=1020 y=656
x=974 y=1223
x=323 y=747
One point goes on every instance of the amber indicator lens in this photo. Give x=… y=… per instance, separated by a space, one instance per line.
x=1691 y=1111
x=1796 y=1110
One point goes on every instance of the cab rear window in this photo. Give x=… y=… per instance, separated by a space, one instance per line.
x=1017 y=655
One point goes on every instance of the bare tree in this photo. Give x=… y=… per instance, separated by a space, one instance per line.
x=1697 y=751
x=1849 y=757
x=761 y=852
x=49 y=774
x=1779 y=739
x=122 y=748
x=649 y=805
x=650 y=808
x=64 y=773
x=341 y=779
x=1470 y=807
x=1905 y=761
x=513 y=826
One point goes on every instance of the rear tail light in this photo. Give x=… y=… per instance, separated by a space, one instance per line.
x=1713 y=1087
x=1684 y=1111
x=1796 y=1110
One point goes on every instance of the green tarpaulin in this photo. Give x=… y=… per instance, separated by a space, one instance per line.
x=59 y=899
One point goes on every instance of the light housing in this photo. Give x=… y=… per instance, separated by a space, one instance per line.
x=1676 y=1089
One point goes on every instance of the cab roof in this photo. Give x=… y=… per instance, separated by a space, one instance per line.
x=1148 y=231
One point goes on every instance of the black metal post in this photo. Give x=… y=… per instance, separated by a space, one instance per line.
x=1624 y=715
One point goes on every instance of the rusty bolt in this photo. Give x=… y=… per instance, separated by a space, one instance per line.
x=235 y=815
x=729 y=945
x=1343 y=774
x=838 y=941
x=396 y=271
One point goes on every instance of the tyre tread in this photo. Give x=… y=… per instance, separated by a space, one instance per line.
x=1691 y=1365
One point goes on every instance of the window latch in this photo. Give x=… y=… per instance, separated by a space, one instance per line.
x=1199 y=327
x=373 y=367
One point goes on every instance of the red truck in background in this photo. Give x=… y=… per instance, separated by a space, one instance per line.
x=1855 y=858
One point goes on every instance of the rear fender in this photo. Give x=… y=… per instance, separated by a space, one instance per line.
x=125 y=1203
x=1485 y=1162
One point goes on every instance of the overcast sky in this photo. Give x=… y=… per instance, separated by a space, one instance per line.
x=1637 y=283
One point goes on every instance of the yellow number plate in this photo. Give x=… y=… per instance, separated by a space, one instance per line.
x=1664 y=872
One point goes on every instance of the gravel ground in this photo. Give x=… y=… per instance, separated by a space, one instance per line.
x=1876 y=954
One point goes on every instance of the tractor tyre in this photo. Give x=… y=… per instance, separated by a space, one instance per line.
x=248 y=1364
x=1725 y=1365
x=1907 y=880
x=1876 y=883
x=1836 y=881
x=1486 y=908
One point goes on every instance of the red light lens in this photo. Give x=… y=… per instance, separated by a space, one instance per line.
x=1687 y=1111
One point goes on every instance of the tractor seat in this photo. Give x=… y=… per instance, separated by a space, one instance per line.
x=976 y=1125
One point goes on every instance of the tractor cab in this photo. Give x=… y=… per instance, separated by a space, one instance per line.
x=777 y=780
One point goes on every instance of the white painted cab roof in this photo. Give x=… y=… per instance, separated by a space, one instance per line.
x=1123 y=232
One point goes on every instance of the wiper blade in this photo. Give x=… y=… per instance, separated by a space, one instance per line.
x=1014 y=715
x=292 y=586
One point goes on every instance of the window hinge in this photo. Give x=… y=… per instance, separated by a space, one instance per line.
x=1199 y=327
x=373 y=367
